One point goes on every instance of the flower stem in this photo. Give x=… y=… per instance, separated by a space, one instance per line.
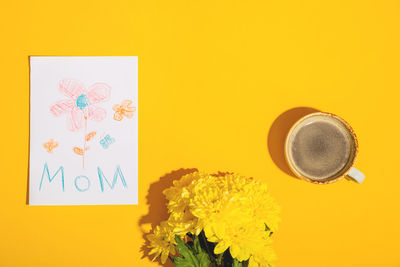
x=210 y=254
x=219 y=259
x=84 y=144
x=236 y=263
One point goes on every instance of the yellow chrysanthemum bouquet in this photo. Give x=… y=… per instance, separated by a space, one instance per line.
x=216 y=220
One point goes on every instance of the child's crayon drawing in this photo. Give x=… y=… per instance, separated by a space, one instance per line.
x=81 y=106
x=90 y=136
x=50 y=145
x=106 y=141
x=123 y=109
x=83 y=131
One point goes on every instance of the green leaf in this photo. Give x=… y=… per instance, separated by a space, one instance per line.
x=181 y=262
x=196 y=245
x=195 y=257
x=203 y=259
x=188 y=260
x=201 y=255
x=236 y=263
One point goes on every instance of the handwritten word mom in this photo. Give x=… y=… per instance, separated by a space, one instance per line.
x=79 y=181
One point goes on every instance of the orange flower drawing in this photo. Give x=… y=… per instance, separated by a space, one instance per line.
x=125 y=109
x=50 y=145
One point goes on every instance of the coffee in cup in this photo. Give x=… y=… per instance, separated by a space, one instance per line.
x=322 y=148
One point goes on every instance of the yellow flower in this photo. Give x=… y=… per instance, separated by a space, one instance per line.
x=181 y=217
x=179 y=194
x=241 y=240
x=162 y=241
x=184 y=222
x=235 y=212
x=264 y=257
x=264 y=208
x=208 y=197
x=236 y=229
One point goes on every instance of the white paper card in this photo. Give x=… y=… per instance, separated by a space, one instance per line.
x=83 y=131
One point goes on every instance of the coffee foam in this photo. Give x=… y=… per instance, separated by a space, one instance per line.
x=320 y=148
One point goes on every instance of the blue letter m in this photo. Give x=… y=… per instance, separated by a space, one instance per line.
x=117 y=173
x=47 y=172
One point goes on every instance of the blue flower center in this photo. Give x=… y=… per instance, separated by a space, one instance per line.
x=82 y=101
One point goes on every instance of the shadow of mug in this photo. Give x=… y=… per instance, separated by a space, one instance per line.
x=278 y=132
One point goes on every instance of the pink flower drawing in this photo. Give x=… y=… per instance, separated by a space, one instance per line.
x=80 y=104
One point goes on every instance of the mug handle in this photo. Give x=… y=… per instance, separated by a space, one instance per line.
x=356 y=175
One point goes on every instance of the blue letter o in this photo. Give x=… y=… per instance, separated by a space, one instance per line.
x=82 y=189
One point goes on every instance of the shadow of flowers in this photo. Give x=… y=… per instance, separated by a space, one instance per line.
x=157 y=203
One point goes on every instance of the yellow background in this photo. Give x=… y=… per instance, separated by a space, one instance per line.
x=213 y=77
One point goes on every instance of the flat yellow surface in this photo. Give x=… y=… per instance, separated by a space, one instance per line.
x=213 y=78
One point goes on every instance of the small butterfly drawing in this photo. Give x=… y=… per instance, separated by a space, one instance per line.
x=106 y=141
x=50 y=145
x=125 y=109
